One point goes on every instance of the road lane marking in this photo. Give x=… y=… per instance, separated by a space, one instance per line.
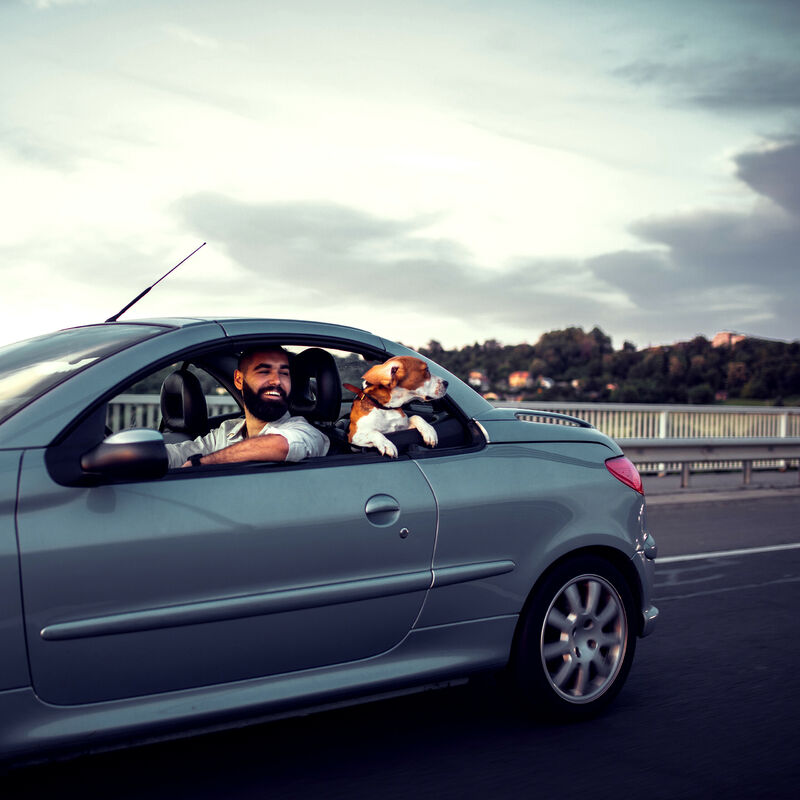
x=726 y=553
x=663 y=598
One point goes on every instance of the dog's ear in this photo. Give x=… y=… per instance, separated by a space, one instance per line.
x=387 y=374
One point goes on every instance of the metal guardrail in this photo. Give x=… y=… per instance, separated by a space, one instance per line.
x=638 y=420
x=656 y=423
x=688 y=452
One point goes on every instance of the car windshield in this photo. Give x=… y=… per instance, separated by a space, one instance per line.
x=30 y=368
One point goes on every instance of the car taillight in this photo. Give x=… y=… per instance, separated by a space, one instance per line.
x=623 y=470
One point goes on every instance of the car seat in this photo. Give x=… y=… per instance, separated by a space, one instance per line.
x=317 y=392
x=184 y=412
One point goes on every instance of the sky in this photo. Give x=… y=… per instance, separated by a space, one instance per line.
x=450 y=170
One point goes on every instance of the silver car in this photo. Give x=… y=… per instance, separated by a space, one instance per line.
x=140 y=602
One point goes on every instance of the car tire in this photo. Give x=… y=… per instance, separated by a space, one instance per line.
x=576 y=640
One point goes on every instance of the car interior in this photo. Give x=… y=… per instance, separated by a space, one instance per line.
x=316 y=394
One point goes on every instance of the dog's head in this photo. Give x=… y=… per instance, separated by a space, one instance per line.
x=405 y=378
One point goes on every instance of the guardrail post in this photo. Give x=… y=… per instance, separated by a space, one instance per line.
x=783 y=428
x=663 y=432
x=747 y=471
x=685 y=472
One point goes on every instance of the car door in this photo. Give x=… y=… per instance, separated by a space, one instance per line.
x=213 y=575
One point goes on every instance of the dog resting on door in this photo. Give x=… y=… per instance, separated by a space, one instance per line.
x=377 y=407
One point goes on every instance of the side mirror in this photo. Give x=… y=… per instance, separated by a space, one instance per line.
x=128 y=455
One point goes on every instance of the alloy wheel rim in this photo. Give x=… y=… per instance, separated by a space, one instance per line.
x=584 y=638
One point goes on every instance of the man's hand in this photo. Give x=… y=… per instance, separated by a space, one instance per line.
x=270 y=447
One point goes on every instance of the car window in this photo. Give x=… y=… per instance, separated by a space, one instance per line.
x=139 y=405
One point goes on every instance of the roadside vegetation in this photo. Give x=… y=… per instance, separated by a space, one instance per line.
x=572 y=364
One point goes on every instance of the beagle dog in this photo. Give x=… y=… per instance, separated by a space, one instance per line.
x=377 y=407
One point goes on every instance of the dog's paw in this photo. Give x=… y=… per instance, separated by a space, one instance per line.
x=430 y=438
x=428 y=432
x=387 y=448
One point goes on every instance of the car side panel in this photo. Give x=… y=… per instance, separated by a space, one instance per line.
x=528 y=504
x=13 y=660
x=214 y=576
x=424 y=658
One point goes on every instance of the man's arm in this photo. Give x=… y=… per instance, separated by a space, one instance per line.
x=269 y=447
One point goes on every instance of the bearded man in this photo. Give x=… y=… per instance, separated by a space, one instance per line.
x=268 y=432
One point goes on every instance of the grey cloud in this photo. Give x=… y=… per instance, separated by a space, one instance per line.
x=748 y=83
x=331 y=253
x=774 y=173
x=735 y=270
x=27 y=146
x=712 y=248
x=695 y=273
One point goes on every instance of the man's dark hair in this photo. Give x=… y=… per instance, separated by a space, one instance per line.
x=248 y=353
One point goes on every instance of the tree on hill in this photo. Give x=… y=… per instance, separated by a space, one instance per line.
x=585 y=366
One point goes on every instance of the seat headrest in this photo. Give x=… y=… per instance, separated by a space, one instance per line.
x=183 y=404
x=316 y=387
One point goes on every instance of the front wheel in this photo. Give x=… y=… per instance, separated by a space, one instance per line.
x=576 y=641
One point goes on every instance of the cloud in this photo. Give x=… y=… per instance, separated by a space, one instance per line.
x=43 y=5
x=331 y=255
x=695 y=272
x=191 y=37
x=748 y=83
x=738 y=270
x=774 y=173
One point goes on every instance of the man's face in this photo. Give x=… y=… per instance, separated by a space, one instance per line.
x=265 y=384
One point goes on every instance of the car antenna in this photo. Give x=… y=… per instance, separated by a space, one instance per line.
x=140 y=296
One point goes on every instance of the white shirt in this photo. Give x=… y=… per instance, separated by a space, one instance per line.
x=303 y=438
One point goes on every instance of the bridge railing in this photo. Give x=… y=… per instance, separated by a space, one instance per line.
x=640 y=421
x=144 y=410
x=681 y=422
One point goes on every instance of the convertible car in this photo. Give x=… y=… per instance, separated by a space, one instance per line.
x=139 y=602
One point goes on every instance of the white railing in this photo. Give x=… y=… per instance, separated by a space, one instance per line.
x=639 y=421
x=659 y=422
x=144 y=410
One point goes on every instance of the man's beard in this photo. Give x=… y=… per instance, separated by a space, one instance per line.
x=265 y=410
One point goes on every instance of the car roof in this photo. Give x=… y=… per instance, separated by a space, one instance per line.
x=269 y=322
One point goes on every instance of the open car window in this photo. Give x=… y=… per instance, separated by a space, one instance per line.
x=139 y=405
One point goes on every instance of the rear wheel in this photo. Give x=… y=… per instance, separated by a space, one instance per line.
x=577 y=641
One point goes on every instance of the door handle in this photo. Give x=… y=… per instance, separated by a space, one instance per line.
x=382 y=510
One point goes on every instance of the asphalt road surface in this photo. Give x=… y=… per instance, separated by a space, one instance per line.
x=710 y=709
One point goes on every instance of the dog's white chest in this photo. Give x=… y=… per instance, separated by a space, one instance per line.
x=385 y=420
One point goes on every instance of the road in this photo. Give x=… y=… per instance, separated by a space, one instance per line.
x=710 y=708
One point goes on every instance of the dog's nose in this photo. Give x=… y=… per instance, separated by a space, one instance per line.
x=444 y=384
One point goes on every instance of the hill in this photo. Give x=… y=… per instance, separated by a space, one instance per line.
x=572 y=364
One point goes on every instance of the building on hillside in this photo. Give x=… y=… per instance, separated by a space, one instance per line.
x=478 y=381
x=726 y=339
x=520 y=380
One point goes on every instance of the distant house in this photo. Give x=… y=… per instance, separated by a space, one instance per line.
x=478 y=381
x=520 y=380
x=726 y=339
